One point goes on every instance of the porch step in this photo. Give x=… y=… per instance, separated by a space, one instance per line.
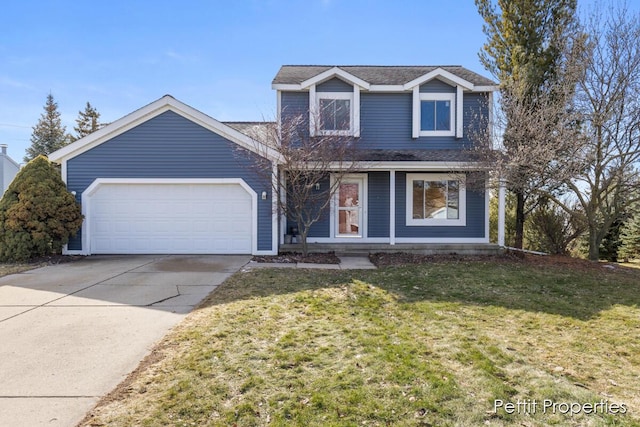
x=364 y=249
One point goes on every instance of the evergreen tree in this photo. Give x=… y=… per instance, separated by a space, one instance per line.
x=48 y=134
x=37 y=213
x=527 y=41
x=630 y=236
x=88 y=121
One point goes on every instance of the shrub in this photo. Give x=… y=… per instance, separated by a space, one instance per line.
x=37 y=213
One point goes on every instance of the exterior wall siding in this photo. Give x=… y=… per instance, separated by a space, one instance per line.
x=437 y=86
x=170 y=146
x=294 y=104
x=385 y=118
x=475 y=227
x=378 y=205
x=322 y=228
x=334 y=85
x=385 y=121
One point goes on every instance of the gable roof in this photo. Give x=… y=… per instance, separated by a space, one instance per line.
x=378 y=75
x=154 y=109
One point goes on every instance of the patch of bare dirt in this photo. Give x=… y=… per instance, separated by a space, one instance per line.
x=294 y=257
x=55 y=259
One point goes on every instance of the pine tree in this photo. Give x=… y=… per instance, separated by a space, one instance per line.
x=48 y=134
x=88 y=121
x=525 y=47
x=630 y=236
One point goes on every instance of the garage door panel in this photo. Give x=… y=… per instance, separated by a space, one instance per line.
x=170 y=218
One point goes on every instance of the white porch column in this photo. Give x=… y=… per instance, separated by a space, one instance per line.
x=501 y=211
x=392 y=207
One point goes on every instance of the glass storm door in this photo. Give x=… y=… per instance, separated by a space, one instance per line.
x=349 y=208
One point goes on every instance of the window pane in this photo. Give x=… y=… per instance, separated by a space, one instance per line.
x=443 y=115
x=418 y=199
x=335 y=114
x=435 y=199
x=453 y=205
x=327 y=113
x=427 y=115
x=342 y=119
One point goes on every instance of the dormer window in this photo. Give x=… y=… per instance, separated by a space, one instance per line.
x=334 y=110
x=437 y=114
x=334 y=113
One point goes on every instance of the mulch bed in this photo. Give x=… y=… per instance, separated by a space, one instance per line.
x=294 y=257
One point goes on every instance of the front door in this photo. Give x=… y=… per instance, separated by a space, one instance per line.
x=349 y=214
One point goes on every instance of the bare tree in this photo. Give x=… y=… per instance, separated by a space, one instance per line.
x=525 y=50
x=534 y=144
x=306 y=171
x=608 y=101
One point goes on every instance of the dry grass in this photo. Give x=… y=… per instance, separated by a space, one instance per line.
x=7 y=269
x=430 y=344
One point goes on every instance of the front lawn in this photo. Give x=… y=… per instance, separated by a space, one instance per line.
x=435 y=344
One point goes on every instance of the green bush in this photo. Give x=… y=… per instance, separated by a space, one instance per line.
x=37 y=213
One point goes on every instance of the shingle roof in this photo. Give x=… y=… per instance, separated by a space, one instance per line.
x=417 y=155
x=376 y=75
x=251 y=129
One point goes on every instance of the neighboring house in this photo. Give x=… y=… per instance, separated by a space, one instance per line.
x=8 y=169
x=170 y=179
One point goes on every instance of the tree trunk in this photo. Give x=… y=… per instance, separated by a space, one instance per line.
x=519 y=231
x=303 y=239
x=594 y=244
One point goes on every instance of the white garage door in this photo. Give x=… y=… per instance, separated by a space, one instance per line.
x=170 y=219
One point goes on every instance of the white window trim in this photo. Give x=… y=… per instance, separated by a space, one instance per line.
x=451 y=97
x=462 y=208
x=354 y=111
x=338 y=96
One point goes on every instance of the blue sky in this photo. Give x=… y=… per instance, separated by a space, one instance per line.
x=217 y=56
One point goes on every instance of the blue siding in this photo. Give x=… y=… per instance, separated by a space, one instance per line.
x=385 y=120
x=475 y=227
x=294 y=104
x=334 y=85
x=378 y=204
x=437 y=86
x=170 y=146
x=322 y=228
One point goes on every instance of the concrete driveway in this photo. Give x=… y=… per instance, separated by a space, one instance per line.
x=70 y=333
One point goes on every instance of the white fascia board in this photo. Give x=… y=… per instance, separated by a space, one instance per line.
x=387 y=88
x=335 y=72
x=286 y=86
x=485 y=88
x=406 y=166
x=441 y=75
x=166 y=103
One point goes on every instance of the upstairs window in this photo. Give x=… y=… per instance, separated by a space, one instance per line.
x=334 y=113
x=437 y=114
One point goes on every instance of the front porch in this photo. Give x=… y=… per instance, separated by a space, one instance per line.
x=416 y=248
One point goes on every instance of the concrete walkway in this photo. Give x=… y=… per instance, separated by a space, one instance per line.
x=70 y=333
x=346 y=263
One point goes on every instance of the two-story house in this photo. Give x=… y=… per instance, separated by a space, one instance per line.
x=168 y=179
